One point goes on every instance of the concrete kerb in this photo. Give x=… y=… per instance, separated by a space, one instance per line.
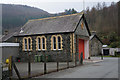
x=91 y=61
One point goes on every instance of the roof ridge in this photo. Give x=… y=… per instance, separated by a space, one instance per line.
x=55 y=17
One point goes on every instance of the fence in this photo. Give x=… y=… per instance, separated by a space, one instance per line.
x=41 y=65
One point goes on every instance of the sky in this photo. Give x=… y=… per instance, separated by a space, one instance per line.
x=56 y=6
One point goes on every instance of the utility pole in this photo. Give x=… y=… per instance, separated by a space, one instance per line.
x=83 y=6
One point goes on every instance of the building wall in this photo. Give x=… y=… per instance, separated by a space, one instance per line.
x=87 y=55
x=8 y=51
x=95 y=47
x=82 y=30
x=82 y=33
x=62 y=54
x=111 y=51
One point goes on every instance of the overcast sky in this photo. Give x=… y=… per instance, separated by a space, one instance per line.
x=56 y=6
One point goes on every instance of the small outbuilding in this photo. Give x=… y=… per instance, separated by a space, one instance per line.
x=110 y=51
x=95 y=45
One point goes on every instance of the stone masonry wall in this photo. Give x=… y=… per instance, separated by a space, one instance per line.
x=62 y=54
x=95 y=47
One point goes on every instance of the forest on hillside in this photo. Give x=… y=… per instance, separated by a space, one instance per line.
x=104 y=20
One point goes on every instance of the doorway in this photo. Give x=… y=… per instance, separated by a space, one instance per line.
x=81 y=48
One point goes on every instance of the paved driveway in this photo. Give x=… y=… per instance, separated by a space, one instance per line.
x=105 y=69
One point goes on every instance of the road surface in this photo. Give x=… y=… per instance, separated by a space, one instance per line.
x=105 y=69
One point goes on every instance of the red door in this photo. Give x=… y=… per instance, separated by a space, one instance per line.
x=81 y=48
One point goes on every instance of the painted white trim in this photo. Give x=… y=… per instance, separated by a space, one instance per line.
x=104 y=46
x=9 y=44
x=59 y=49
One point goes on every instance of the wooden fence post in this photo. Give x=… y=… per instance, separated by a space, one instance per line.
x=101 y=56
x=45 y=67
x=10 y=67
x=67 y=61
x=57 y=63
x=29 y=65
x=16 y=70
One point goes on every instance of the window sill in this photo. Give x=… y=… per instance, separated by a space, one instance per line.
x=25 y=50
x=57 y=49
x=54 y=49
x=41 y=50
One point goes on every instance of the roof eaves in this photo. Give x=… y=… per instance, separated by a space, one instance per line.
x=86 y=25
x=42 y=34
x=78 y=23
x=97 y=38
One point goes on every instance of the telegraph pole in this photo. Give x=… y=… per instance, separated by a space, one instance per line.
x=83 y=6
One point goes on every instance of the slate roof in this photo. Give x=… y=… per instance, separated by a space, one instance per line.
x=59 y=24
x=6 y=37
x=94 y=35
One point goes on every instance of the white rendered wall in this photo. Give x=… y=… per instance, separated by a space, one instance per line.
x=9 y=44
x=86 y=47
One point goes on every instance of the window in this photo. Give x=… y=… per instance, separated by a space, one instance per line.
x=41 y=43
x=54 y=43
x=27 y=44
x=59 y=42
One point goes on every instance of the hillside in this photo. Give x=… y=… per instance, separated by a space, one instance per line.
x=17 y=15
x=105 y=21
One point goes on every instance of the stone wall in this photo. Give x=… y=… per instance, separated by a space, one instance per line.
x=95 y=47
x=62 y=54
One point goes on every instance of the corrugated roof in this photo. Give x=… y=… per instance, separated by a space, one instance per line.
x=66 y=23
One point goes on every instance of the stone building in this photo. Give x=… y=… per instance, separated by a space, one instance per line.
x=61 y=34
x=95 y=45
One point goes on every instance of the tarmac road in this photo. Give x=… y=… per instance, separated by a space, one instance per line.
x=105 y=69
